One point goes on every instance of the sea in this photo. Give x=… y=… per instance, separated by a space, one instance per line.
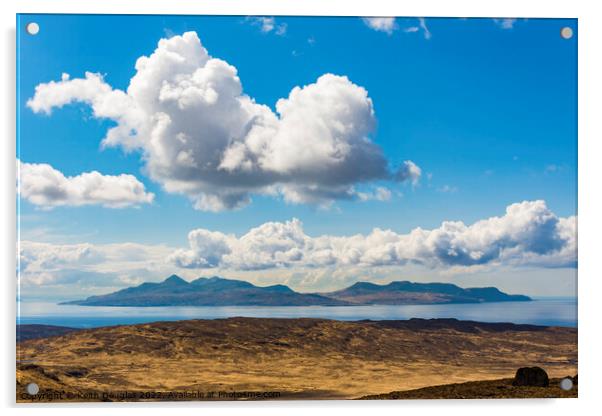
x=540 y=311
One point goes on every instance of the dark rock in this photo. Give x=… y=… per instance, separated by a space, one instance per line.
x=574 y=379
x=76 y=372
x=531 y=376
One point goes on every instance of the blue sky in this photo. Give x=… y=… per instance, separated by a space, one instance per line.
x=488 y=113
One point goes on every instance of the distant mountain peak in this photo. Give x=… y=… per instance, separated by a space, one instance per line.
x=363 y=285
x=175 y=279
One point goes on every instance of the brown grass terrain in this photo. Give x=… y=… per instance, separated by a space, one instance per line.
x=488 y=389
x=33 y=331
x=285 y=358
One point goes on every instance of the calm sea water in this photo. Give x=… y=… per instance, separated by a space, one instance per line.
x=557 y=312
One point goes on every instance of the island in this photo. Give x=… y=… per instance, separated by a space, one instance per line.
x=218 y=291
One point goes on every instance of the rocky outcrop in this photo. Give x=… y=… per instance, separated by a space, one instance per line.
x=531 y=376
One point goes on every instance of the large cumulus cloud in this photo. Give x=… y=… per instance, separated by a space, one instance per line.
x=528 y=233
x=46 y=187
x=200 y=135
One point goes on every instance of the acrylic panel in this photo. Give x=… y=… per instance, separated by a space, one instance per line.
x=295 y=208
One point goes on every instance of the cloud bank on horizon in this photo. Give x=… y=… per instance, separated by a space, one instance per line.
x=528 y=233
x=200 y=135
x=90 y=265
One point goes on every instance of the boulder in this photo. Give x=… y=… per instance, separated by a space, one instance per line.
x=531 y=376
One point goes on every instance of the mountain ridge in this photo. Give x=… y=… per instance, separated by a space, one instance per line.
x=218 y=291
x=406 y=292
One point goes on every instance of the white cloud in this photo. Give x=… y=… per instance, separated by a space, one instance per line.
x=200 y=135
x=554 y=168
x=53 y=257
x=88 y=264
x=379 y=194
x=46 y=187
x=268 y=24
x=420 y=26
x=281 y=29
x=527 y=237
x=528 y=234
x=382 y=194
x=381 y=24
x=505 y=23
x=409 y=171
x=447 y=189
x=424 y=27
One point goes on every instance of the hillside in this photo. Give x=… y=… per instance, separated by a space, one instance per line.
x=214 y=291
x=295 y=358
x=34 y=331
x=397 y=293
x=217 y=291
x=487 y=389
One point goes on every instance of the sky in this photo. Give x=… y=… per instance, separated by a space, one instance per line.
x=309 y=151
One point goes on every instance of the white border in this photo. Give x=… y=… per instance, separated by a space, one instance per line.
x=460 y=8
x=590 y=175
